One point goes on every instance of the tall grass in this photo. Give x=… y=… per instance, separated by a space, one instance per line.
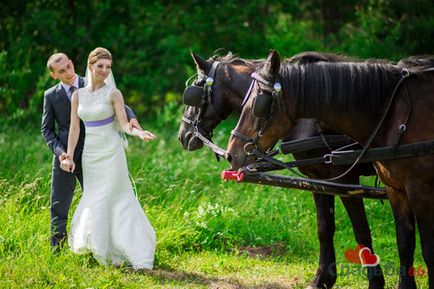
x=202 y=223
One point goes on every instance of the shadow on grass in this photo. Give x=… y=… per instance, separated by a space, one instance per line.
x=169 y=275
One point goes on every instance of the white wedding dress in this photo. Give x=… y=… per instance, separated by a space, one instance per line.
x=109 y=221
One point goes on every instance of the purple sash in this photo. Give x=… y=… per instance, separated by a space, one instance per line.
x=95 y=123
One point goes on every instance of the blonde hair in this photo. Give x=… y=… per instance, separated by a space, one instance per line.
x=55 y=58
x=97 y=54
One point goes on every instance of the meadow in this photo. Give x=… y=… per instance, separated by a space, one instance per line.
x=210 y=233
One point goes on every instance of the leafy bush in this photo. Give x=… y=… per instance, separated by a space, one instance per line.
x=213 y=226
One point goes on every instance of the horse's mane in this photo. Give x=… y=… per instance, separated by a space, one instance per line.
x=418 y=62
x=233 y=59
x=313 y=56
x=359 y=87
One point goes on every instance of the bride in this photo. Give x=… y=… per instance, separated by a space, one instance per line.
x=109 y=221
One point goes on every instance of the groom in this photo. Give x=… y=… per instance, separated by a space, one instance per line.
x=57 y=109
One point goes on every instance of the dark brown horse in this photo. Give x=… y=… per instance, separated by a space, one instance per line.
x=231 y=82
x=352 y=98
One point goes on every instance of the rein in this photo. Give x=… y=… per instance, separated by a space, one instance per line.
x=207 y=142
x=405 y=73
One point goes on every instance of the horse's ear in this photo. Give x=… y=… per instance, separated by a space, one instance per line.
x=273 y=62
x=201 y=63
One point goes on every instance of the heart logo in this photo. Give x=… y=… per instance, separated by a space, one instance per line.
x=353 y=255
x=367 y=259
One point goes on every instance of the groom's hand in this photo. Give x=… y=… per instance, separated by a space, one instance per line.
x=67 y=165
x=134 y=123
x=63 y=157
x=72 y=167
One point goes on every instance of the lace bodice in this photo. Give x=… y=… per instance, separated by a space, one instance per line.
x=95 y=105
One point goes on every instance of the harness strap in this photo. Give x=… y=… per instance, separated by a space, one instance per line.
x=340 y=158
x=197 y=128
x=385 y=153
x=403 y=127
x=258 y=153
x=213 y=69
x=270 y=164
x=215 y=148
x=243 y=136
x=260 y=79
x=255 y=78
x=321 y=134
x=315 y=142
x=249 y=91
x=404 y=75
x=198 y=132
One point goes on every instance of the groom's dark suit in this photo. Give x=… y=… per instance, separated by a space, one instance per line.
x=57 y=109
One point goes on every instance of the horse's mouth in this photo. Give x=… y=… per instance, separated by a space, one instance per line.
x=194 y=144
x=237 y=161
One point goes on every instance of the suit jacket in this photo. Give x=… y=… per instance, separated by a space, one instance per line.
x=57 y=109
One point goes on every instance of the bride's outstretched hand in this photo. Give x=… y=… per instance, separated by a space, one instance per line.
x=146 y=135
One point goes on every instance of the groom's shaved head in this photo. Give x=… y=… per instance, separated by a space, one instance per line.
x=55 y=58
x=61 y=68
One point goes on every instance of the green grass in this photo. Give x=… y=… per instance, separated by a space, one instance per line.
x=202 y=223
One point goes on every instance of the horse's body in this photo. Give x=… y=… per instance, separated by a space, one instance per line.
x=351 y=98
x=230 y=86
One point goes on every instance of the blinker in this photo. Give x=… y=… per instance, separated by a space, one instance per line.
x=193 y=96
x=262 y=105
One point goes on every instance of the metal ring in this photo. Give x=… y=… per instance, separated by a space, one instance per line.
x=327 y=158
x=250 y=169
x=249 y=153
x=402 y=127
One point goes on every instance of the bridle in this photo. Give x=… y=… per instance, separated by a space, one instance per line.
x=200 y=95
x=263 y=108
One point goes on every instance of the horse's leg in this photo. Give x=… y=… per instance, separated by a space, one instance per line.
x=422 y=200
x=405 y=235
x=326 y=274
x=356 y=211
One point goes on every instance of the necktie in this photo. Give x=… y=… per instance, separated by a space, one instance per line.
x=72 y=88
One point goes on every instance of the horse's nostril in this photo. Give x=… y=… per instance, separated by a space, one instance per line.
x=228 y=157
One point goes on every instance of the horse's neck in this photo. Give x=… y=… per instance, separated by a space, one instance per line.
x=343 y=96
x=345 y=123
x=342 y=121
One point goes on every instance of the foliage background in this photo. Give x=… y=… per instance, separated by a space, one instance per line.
x=203 y=231
x=151 y=40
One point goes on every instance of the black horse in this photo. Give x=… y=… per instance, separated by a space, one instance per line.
x=377 y=104
x=230 y=84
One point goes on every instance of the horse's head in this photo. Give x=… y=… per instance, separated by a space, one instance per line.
x=218 y=89
x=264 y=118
